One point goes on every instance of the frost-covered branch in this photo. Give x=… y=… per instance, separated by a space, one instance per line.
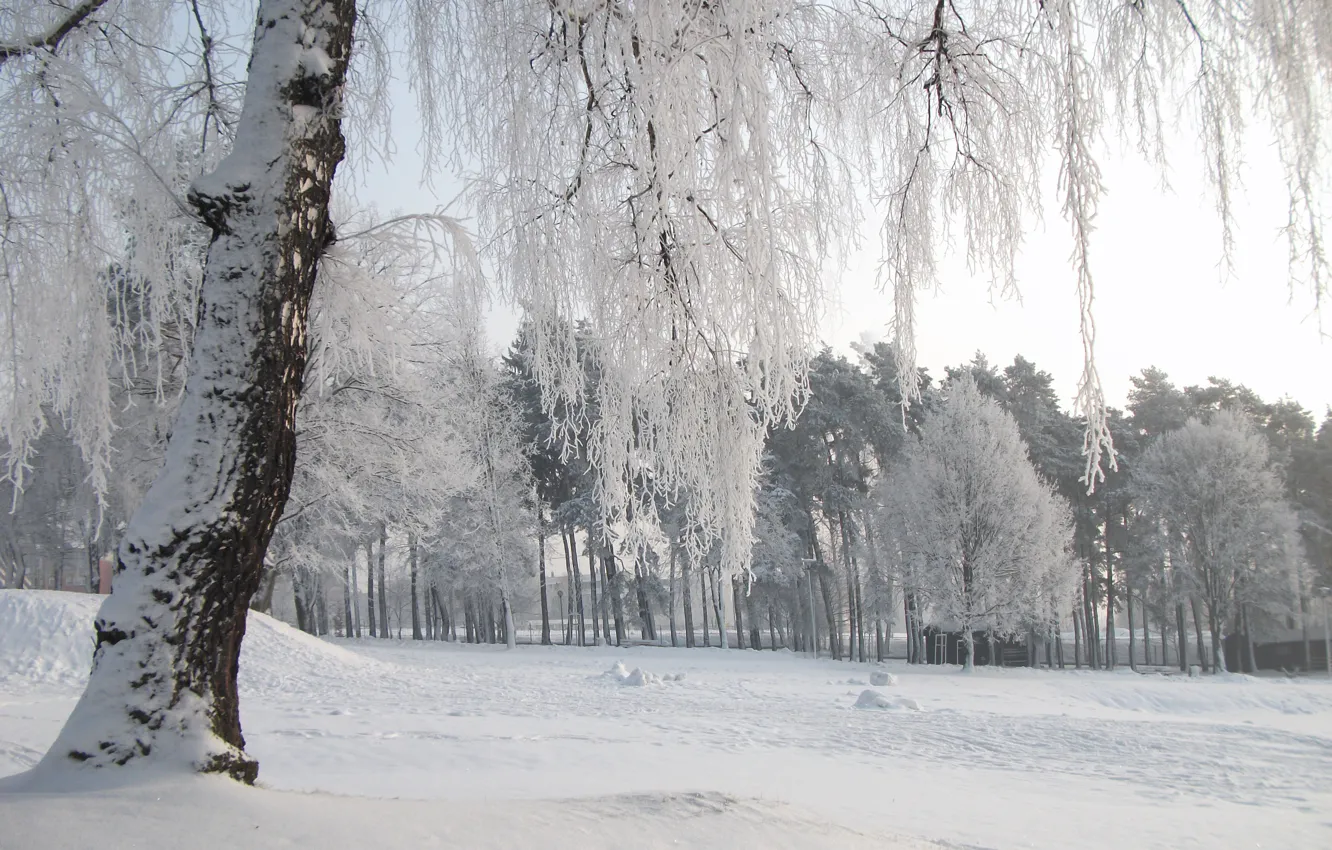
x=73 y=19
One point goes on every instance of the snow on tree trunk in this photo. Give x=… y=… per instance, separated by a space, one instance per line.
x=168 y=637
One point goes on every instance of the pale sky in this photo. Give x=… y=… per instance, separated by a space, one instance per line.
x=1160 y=298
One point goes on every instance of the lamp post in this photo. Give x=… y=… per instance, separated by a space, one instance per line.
x=563 y=625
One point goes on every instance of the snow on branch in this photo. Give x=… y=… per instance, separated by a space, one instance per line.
x=73 y=19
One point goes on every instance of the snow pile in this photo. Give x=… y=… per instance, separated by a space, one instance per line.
x=638 y=677
x=46 y=641
x=46 y=638
x=879 y=678
x=870 y=698
x=275 y=653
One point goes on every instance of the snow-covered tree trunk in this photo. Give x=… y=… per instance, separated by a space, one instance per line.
x=168 y=638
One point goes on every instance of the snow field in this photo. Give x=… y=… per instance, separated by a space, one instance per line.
x=746 y=749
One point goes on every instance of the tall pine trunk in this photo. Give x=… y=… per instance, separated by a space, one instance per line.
x=703 y=601
x=577 y=590
x=1077 y=639
x=346 y=601
x=541 y=574
x=675 y=641
x=591 y=584
x=1198 y=633
x=1110 y=645
x=688 y=603
x=416 y=609
x=370 y=586
x=1181 y=637
x=168 y=638
x=383 y=595
x=1133 y=639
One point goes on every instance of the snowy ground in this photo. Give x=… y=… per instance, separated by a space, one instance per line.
x=748 y=749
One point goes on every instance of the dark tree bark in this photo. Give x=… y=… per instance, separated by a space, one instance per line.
x=321 y=604
x=383 y=596
x=1146 y=633
x=912 y=658
x=1133 y=639
x=605 y=588
x=688 y=603
x=834 y=630
x=1077 y=639
x=592 y=583
x=703 y=602
x=567 y=615
x=670 y=609
x=647 y=626
x=443 y=632
x=1181 y=637
x=168 y=638
x=1198 y=633
x=429 y=613
x=578 y=589
x=1110 y=645
x=541 y=573
x=1091 y=631
x=739 y=614
x=346 y=600
x=298 y=599
x=1249 y=664
x=416 y=608
x=615 y=581
x=370 y=586
x=356 y=608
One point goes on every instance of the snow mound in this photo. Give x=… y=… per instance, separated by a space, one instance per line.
x=46 y=638
x=274 y=654
x=46 y=641
x=870 y=698
x=882 y=677
x=638 y=677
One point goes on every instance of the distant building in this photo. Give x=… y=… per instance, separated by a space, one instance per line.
x=105 y=568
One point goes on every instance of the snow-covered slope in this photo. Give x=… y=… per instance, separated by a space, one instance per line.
x=46 y=642
x=46 y=638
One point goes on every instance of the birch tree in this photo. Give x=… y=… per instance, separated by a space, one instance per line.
x=679 y=172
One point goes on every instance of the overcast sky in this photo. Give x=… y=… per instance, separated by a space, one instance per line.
x=1160 y=300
